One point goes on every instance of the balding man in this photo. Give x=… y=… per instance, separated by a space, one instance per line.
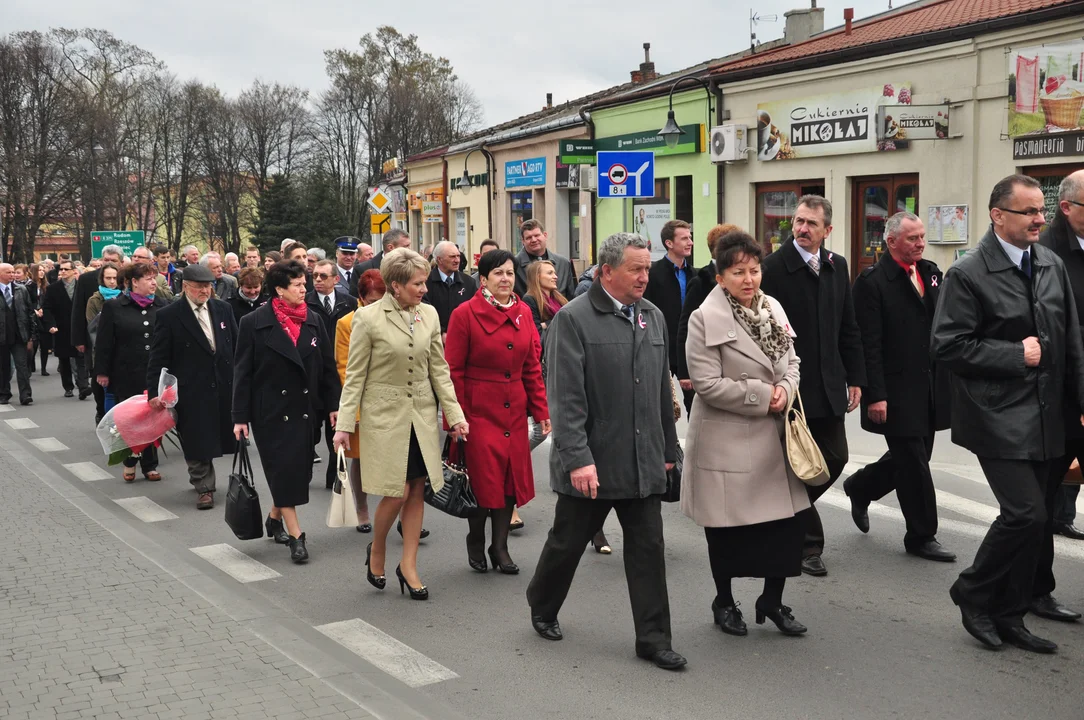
x=447 y=288
x=16 y=335
x=394 y=238
x=365 y=253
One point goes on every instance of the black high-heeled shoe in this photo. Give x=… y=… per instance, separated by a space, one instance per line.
x=277 y=531
x=298 y=552
x=782 y=617
x=421 y=536
x=476 y=556
x=377 y=581
x=507 y=569
x=421 y=593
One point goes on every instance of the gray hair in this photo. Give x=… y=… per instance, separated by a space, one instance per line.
x=612 y=252
x=1071 y=186
x=442 y=247
x=814 y=202
x=113 y=250
x=318 y=253
x=188 y=248
x=206 y=259
x=391 y=238
x=892 y=226
x=284 y=243
x=232 y=255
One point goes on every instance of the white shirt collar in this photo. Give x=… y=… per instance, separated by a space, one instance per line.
x=343 y=271
x=1014 y=253
x=1081 y=241
x=617 y=303
x=330 y=296
x=443 y=277
x=804 y=253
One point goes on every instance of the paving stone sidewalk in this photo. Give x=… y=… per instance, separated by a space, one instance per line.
x=90 y=628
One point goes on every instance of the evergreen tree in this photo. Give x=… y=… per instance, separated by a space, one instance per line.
x=324 y=213
x=279 y=215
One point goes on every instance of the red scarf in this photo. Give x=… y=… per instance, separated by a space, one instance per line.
x=290 y=317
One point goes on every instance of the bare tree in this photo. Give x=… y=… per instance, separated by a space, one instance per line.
x=276 y=124
x=178 y=109
x=340 y=150
x=227 y=197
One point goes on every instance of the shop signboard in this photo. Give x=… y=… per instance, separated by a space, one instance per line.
x=577 y=152
x=835 y=124
x=1042 y=145
x=916 y=122
x=690 y=142
x=432 y=211
x=525 y=173
x=1046 y=89
x=128 y=240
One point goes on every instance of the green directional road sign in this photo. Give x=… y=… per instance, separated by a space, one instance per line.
x=128 y=240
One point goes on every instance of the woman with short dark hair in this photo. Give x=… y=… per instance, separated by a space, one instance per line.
x=250 y=293
x=273 y=343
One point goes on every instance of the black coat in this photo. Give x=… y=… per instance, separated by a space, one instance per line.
x=695 y=294
x=821 y=313
x=342 y=306
x=281 y=390
x=56 y=309
x=242 y=306
x=1001 y=408
x=896 y=322
x=445 y=298
x=123 y=344
x=85 y=286
x=1060 y=238
x=663 y=290
x=372 y=263
x=566 y=276
x=204 y=377
x=23 y=313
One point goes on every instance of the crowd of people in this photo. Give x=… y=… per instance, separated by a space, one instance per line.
x=379 y=351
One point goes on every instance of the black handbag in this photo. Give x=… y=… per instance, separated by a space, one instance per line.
x=673 y=479
x=455 y=498
x=243 y=513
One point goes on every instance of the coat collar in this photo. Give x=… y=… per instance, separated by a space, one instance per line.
x=996 y=259
x=491 y=319
x=191 y=324
x=604 y=305
x=794 y=262
x=456 y=275
x=394 y=312
x=721 y=328
x=279 y=341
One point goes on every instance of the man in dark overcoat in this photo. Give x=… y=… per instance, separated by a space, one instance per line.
x=668 y=283
x=56 y=317
x=16 y=336
x=447 y=288
x=814 y=288
x=1007 y=328
x=194 y=340
x=894 y=302
x=613 y=441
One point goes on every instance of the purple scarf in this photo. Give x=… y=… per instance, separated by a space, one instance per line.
x=141 y=300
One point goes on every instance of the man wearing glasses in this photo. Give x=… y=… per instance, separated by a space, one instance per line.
x=1007 y=328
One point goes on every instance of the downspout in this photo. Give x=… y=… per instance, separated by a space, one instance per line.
x=491 y=188
x=585 y=115
x=720 y=169
x=447 y=196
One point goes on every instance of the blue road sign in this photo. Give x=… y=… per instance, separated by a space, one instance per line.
x=626 y=174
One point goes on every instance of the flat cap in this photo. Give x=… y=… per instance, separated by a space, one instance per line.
x=197 y=273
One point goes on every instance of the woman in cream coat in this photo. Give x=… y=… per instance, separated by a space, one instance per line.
x=395 y=374
x=736 y=482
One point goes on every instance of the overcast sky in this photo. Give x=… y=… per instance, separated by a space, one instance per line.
x=511 y=53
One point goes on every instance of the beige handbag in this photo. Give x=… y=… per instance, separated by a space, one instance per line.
x=342 y=512
x=803 y=455
x=674 y=395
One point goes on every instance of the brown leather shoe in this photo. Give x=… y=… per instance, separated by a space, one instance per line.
x=206 y=501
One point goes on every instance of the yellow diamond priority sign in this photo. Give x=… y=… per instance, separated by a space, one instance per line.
x=379 y=199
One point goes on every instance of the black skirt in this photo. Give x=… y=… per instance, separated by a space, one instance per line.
x=770 y=549
x=415 y=467
x=287 y=465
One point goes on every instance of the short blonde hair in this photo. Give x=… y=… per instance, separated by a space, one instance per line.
x=400 y=265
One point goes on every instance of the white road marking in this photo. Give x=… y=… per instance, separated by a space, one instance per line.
x=145 y=509
x=235 y=563
x=7 y=408
x=49 y=444
x=21 y=424
x=87 y=471
x=382 y=650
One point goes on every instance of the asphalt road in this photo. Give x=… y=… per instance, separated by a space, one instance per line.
x=885 y=641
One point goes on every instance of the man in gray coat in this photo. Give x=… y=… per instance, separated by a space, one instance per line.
x=613 y=441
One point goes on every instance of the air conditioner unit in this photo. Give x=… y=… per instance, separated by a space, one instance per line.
x=727 y=143
x=589 y=178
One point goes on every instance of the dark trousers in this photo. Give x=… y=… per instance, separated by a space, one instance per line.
x=1065 y=501
x=80 y=367
x=905 y=468
x=14 y=354
x=1001 y=579
x=201 y=473
x=147 y=460
x=830 y=434
x=1055 y=492
x=575 y=522
x=329 y=441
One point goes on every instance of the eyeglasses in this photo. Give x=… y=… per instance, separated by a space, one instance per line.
x=1074 y=202
x=322 y=276
x=1030 y=212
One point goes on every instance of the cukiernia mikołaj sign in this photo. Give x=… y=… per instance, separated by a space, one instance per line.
x=650 y=140
x=525 y=173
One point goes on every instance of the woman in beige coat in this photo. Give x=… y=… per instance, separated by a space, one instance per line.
x=736 y=483
x=395 y=374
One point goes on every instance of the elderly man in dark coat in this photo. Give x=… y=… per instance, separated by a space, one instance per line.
x=613 y=441
x=194 y=339
x=894 y=302
x=57 y=318
x=16 y=335
x=1007 y=329
x=447 y=287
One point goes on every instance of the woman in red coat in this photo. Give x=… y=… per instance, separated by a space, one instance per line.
x=493 y=353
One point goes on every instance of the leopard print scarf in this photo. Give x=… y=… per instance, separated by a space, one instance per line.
x=762 y=327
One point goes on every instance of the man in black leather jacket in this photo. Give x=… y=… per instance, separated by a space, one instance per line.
x=1007 y=328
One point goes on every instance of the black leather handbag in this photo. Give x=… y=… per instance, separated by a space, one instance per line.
x=243 y=513
x=673 y=479
x=455 y=498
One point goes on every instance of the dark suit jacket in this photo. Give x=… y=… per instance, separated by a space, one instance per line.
x=85 y=286
x=1060 y=238
x=341 y=306
x=204 y=377
x=349 y=285
x=664 y=291
x=896 y=322
x=57 y=312
x=372 y=263
x=698 y=290
x=23 y=311
x=445 y=298
x=821 y=313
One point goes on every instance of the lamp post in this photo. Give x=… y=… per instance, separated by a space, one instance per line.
x=671 y=132
x=464 y=184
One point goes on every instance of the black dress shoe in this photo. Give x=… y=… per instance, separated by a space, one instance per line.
x=1022 y=638
x=729 y=619
x=781 y=616
x=45 y=374
x=859 y=509
x=813 y=565
x=298 y=552
x=549 y=629
x=84 y=393
x=277 y=531
x=365 y=527
x=932 y=550
x=1068 y=530
x=665 y=659
x=979 y=624
x=1048 y=607
x=69 y=393
x=421 y=536
x=27 y=401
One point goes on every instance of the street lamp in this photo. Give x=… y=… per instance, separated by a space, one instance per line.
x=464 y=182
x=671 y=132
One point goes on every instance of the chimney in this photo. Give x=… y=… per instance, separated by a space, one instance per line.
x=803 y=23
x=646 y=73
x=549 y=100
x=848 y=16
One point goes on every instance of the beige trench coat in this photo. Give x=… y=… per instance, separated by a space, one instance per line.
x=396 y=379
x=735 y=469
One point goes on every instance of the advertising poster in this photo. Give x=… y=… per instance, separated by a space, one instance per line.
x=1046 y=89
x=835 y=124
x=647 y=222
x=946 y=225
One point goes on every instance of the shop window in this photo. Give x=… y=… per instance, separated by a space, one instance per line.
x=776 y=203
x=876 y=200
x=650 y=214
x=522 y=210
x=1050 y=177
